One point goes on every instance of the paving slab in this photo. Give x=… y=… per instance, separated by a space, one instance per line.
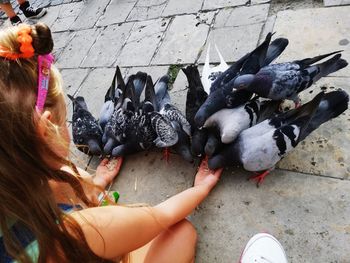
x=326 y=150
x=72 y=79
x=50 y=17
x=175 y=7
x=308 y=39
x=67 y=14
x=307 y=214
x=210 y=4
x=178 y=93
x=94 y=87
x=147 y=9
x=268 y=27
x=145 y=177
x=78 y=48
x=116 y=12
x=105 y=50
x=240 y=16
x=233 y=42
x=184 y=39
x=144 y=38
x=90 y=14
x=336 y=2
x=60 y=42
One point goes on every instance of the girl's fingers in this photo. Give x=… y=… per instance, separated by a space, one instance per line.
x=218 y=172
x=119 y=163
x=104 y=162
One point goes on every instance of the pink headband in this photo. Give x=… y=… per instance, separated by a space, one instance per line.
x=44 y=66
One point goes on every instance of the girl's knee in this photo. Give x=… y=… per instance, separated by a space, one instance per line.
x=187 y=230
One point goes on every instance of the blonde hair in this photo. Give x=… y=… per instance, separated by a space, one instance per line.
x=25 y=193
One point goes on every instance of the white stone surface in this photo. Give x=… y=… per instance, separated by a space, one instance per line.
x=268 y=27
x=117 y=11
x=256 y=2
x=60 y=42
x=308 y=38
x=105 y=50
x=142 y=43
x=94 y=88
x=239 y=16
x=233 y=42
x=210 y=4
x=78 y=47
x=175 y=7
x=183 y=40
x=307 y=214
x=90 y=14
x=147 y=9
x=67 y=14
x=326 y=150
x=336 y=2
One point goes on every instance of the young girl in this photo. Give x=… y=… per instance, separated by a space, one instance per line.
x=39 y=185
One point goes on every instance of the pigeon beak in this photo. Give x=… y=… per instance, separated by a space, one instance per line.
x=94 y=147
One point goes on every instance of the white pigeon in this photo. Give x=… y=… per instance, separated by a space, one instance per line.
x=209 y=74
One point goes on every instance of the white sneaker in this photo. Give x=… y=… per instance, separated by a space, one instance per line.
x=263 y=248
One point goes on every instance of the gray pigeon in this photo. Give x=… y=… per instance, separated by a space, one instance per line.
x=231 y=122
x=175 y=117
x=286 y=80
x=86 y=131
x=260 y=147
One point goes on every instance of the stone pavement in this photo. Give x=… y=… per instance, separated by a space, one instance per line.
x=305 y=202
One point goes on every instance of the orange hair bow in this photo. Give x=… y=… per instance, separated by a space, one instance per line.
x=25 y=39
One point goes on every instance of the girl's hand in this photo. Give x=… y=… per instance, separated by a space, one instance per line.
x=207 y=177
x=107 y=171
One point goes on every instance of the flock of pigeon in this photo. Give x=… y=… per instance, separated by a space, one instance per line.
x=233 y=113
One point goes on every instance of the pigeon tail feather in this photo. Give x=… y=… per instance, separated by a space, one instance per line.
x=275 y=49
x=309 y=61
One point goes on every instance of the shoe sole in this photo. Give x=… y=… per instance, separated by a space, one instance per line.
x=41 y=14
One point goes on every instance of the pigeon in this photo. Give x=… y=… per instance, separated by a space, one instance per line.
x=111 y=97
x=177 y=120
x=262 y=146
x=231 y=122
x=221 y=93
x=213 y=145
x=286 y=80
x=86 y=131
x=209 y=74
x=196 y=95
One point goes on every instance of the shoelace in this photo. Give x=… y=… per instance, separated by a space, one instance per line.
x=30 y=9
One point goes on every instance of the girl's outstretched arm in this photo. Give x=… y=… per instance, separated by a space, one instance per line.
x=112 y=231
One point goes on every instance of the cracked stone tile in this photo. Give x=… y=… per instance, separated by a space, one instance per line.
x=78 y=48
x=175 y=7
x=90 y=14
x=326 y=150
x=308 y=39
x=184 y=39
x=210 y=4
x=60 y=41
x=240 y=16
x=142 y=43
x=116 y=12
x=147 y=10
x=232 y=42
x=336 y=2
x=94 y=87
x=178 y=93
x=268 y=27
x=72 y=79
x=104 y=55
x=307 y=214
x=51 y=15
x=66 y=16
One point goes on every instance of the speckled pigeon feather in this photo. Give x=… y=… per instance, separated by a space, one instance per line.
x=85 y=129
